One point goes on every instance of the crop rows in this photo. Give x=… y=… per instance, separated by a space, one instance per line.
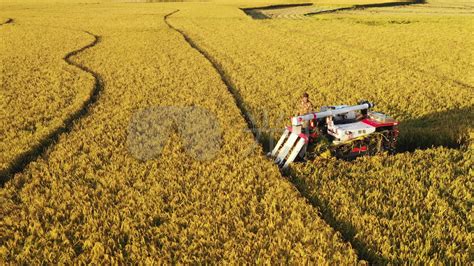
x=90 y=199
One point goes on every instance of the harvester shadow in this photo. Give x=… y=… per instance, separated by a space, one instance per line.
x=448 y=129
x=33 y=153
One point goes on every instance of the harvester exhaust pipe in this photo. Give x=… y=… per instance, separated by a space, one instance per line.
x=293 y=139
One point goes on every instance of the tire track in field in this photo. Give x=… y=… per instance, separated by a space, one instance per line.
x=36 y=151
x=8 y=21
x=236 y=95
x=346 y=229
x=295 y=181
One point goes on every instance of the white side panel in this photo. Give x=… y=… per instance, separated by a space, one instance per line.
x=296 y=150
x=280 y=142
x=286 y=148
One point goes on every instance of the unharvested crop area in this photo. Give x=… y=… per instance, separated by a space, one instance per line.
x=85 y=94
x=39 y=89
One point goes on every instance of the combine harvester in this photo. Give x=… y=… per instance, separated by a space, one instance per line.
x=342 y=131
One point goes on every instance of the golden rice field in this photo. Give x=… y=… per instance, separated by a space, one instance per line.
x=87 y=87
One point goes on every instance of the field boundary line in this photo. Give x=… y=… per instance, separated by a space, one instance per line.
x=361 y=254
x=374 y=5
x=255 y=12
x=23 y=160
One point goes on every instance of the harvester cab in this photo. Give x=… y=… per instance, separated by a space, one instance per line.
x=351 y=131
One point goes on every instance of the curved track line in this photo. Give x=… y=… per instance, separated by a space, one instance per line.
x=24 y=159
x=220 y=71
x=296 y=182
x=8 y=21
